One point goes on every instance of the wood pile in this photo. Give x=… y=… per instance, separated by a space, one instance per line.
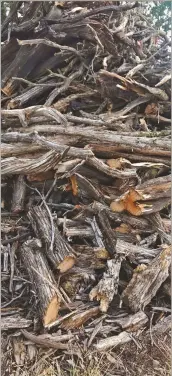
x=85 y=169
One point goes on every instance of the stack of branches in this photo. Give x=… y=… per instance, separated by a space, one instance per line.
x=85 y=174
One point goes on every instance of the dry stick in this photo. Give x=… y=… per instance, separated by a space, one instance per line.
x=48 y=43
x=34 y=84
x=42 y=110
x=44 y=342
x=35 y=138
x=65 y=86
x=89 y=13
x=113 y=172
x=143 y=145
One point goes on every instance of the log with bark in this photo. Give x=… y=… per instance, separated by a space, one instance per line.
x=42 y=279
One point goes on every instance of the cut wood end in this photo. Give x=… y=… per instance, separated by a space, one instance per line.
x=93 y=293
x=67 y=263
x=7 y=90
x=123 y=228
x=117 y=206
x=74 y=185
x=104 y=301
x=118 y=163
x=52 y=311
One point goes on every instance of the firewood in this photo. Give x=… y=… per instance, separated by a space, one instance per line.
x=42 y=279
x=59 y=252
x=146 y=281
x=108 y=285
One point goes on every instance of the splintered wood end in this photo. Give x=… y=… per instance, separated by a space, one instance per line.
x=67 y=263
x=100 y=297
x=118 y=163
x=104 y=303
x=52 y=311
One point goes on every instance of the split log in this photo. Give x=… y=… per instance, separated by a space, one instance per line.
x=42 y=279
x=14 y=322
x=145 y=198
x=146 y=281
x=108 y=285
x=19 y=194
x=57 y=250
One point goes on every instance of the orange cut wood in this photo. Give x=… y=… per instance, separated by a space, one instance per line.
x=74 y=185
x=66 y=264
x=52 y=311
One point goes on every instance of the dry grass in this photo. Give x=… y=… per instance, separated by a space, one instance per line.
x=141 y=359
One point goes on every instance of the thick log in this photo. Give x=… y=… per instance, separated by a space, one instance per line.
x=146 y=281
x=56 y=248
x=17 y=166
x=25 y=61
x=42 y=280
x=125 y=144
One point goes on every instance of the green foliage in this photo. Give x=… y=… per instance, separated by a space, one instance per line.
x=161 y=14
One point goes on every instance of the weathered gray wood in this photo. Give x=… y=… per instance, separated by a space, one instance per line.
x=14 y=322
x=108 y=285
x=56 y=248
x=42 y=279
x=146 y=281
